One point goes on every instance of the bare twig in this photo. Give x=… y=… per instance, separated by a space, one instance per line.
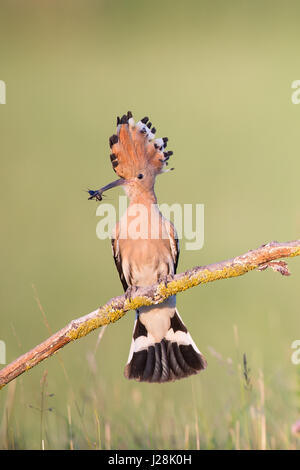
x=118 y=306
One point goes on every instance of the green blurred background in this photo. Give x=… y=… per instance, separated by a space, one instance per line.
x=216 y=78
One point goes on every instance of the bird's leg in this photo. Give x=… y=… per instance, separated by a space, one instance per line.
x=130 y=291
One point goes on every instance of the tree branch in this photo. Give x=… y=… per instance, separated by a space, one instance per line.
x=113 y=310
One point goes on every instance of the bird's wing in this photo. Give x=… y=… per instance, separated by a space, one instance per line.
x=118 y=261
x=174 y=242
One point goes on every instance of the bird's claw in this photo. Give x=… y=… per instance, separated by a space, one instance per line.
x=165 y=279
x=130 y=291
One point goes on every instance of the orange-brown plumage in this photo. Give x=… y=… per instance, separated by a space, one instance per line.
x=135 y=149
x=162 y=350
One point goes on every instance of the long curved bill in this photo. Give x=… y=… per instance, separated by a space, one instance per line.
x=98 y=193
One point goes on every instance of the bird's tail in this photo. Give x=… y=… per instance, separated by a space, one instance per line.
x=174 y=357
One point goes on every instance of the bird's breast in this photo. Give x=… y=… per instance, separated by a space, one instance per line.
x=144 y=248
x=144 y=262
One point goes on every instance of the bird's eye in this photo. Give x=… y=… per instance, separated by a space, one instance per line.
x=140 y=176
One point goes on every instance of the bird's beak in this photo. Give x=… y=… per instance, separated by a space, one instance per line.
x=98 y=193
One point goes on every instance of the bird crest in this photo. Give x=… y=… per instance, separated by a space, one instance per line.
x=134 y=148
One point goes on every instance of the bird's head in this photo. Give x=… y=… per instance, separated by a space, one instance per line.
x=136 y=156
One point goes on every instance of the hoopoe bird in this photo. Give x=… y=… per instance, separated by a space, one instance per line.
x=162 y=349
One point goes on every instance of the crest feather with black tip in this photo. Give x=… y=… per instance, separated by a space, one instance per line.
x=134 y=148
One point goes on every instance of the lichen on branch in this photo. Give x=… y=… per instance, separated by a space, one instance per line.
x=116 y=308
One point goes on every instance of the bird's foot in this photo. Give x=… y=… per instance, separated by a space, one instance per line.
x=165 y=279
x=131 y=290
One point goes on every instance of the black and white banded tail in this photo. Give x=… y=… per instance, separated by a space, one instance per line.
x=174 y=357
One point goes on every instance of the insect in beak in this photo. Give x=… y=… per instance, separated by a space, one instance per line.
x=98 y=193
